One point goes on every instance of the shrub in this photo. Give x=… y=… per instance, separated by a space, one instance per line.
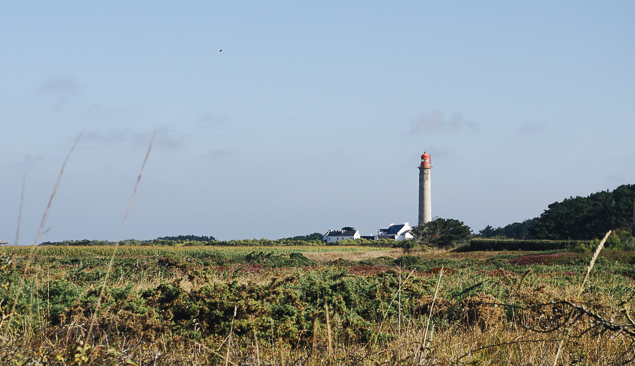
x=537 y=259
x=511 y=244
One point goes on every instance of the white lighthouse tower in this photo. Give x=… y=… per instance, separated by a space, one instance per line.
x=425 y=187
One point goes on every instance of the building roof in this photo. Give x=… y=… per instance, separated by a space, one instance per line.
x=341 y=233
x=386 y=236
x=393 y=229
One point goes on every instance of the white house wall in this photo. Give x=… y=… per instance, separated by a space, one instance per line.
x=331 y=239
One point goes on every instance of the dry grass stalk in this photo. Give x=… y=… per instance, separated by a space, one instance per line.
x=425 y=333
x=399 y=304
x=231 y=333
x=114 y=252
x=281 y=351
x=17 y=232
x=520 y=282
x=314 y=337
x=592 y=263
x=39 y=232
x=328 y=328
x=257 y=350
x=567 y=331
x=385 y=314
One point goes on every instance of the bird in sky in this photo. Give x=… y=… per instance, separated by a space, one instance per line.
x=220 y=51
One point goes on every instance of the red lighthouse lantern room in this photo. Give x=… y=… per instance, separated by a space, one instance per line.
x=425 y=161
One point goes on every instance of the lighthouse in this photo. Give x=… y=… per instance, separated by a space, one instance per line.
x=425 y=186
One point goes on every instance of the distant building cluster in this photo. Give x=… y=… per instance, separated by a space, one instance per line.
x=401 y=231
x=393 y=232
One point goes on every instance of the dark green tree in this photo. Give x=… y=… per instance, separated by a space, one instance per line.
x=310 y=237
x=441 y=232
x=517 y=230
x=491 y=232
x=180 y=238
x=520 y=230
x=348 y=228
x=585 y=218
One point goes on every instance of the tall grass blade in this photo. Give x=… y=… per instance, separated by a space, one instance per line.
x=592 y=263
x=17 y=232
x=425 y=333
x=257 y=350
x=588 y=271
x=328 y=329
x=39 y=232
x=231 y=332
x=114 y=251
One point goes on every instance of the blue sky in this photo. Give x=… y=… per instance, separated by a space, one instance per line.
x=313 y=116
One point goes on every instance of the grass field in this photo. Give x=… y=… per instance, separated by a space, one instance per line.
x=313 y=305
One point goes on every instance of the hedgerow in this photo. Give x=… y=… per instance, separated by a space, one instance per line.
x=512 y=244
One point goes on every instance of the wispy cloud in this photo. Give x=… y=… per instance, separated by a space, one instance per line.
x=64 y=85
x=441 y=153
x=104 y=137
x=30 y=160
x=528 y=128
x=61 y=87
x=24 y=162
x=168 y=138
x=614 y=178
x=219 y=154
x=626 y=160
x=435 y=122
x=209 y=120
x=100 y=111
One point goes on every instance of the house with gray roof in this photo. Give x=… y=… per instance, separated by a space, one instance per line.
x=339 y=235
x=396 y=232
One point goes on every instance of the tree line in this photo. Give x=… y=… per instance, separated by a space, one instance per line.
x=585 y=218
x=575 y=218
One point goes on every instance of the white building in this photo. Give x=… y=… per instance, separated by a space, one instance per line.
x=339 y=235
x=396 y=232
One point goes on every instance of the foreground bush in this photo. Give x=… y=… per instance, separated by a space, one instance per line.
x=512 y=244
x=184 y=307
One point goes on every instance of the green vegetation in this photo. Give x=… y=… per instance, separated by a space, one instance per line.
x=183 y=238
x=441 y=233
x=308 y=238
x=196 y=300
x=212 y=305
x=190 y=240
x=620 y=240
x=579 y=218
x=585 y=218
x=511 y=244
x=517 y=230
x=315 y=239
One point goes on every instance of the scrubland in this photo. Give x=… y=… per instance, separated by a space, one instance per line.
x=313 y=306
